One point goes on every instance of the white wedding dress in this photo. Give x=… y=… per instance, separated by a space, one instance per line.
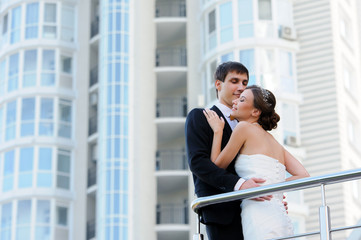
x=267 y=219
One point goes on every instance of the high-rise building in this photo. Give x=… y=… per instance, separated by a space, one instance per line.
x=94 y=96
x=328 y=67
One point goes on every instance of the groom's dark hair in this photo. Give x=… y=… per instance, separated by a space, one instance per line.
x=227 y=67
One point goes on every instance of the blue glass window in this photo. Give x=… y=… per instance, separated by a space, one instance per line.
x=10 y=121
x=26 y=162
x=48 y=68
x=49 y=28
x=66 y=64
x=42 y=230
x=246 y=57
x=226 y=22
x=62 y=216
x=8 y=174
x=289 y=112
x=32 y=20
x=212 y=36
x=13 y=72
x=15 y=25
x=44 y=178
x=4 y=32
x=63 y=170
x=245 y=19
x=46 y=125
x=2 y=77
x=288 y=82
x=67 y=23
x=1 y=124
x=227 y=57
x=6 y=221
x=23 y=220
x=264 y=9
x=27 y=117
x=115 y=85
x=30 y=64
x=65 y=119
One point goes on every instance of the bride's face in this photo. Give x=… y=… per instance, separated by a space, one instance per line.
x=243 y=108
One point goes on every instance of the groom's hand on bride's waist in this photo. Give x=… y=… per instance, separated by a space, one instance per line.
x=255 y=182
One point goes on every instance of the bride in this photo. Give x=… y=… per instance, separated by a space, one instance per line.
x=260 y=155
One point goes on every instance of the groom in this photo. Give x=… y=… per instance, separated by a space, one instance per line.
x=223 y=220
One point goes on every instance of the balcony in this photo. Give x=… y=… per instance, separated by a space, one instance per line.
x=171 y=107
x=94 y=30
x=93 y=76
x=90 y=229
x=172 y=213
x=170 y=9
x=93 y=125
x=171 y=57
x=171 y=160
x=92 y=176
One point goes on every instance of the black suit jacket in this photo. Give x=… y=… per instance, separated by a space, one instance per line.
x=207 y=177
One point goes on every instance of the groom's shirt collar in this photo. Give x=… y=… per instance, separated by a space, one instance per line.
x=226 y=111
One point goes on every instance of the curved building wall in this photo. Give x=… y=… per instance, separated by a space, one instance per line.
x=259 y=34
x=37 y=98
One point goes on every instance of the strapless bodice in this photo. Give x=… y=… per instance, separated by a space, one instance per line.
x=260 y=166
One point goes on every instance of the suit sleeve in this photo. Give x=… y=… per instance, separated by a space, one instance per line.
x=199 y=138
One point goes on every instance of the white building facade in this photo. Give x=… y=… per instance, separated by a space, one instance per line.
x=328 y=66
x=94 y=96
x=41 y=142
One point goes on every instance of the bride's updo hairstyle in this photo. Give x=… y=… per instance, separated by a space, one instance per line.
x=265 y=101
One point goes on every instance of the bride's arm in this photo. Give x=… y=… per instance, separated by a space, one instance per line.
x=224 y=158
x=294 y=167
x=235 y=143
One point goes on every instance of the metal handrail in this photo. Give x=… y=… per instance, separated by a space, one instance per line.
x=294 y=185
x=298 y=184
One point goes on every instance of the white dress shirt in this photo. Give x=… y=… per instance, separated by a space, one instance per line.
x=226 y=111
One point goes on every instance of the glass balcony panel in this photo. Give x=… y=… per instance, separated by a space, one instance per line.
x=93 y=76
x=171 y=160
x=170 y=9
x=93 y=125
x=172 y=213
x=171 y=57
x=94 y=27
x=92 y=176
x=172 y=107
x=90 y=229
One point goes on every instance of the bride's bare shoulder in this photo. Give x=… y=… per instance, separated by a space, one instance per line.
x=243 y=126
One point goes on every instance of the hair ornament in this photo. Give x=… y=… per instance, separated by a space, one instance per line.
x=265 y=95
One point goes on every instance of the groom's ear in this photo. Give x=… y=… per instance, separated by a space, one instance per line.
x=218 y=84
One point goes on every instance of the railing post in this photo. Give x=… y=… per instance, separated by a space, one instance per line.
x=198 y=235
x=324 y=217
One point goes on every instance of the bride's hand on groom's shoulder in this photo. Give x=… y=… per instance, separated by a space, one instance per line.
x=214 y=121
x=254 y=182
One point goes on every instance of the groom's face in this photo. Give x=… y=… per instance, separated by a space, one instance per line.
x=232 y=87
